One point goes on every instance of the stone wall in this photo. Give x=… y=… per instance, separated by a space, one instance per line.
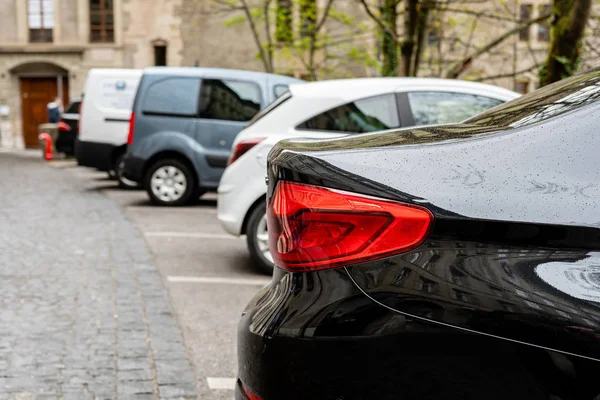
x=144 y=24
x=68 y=21
x=208 y=41
x=8 y=25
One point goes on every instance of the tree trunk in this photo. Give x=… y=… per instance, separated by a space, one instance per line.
x=408 y=43
x=568 y=27
x=421 y=33
x=389 y=48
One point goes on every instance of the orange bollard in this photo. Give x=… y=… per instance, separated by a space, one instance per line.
x=47 y=143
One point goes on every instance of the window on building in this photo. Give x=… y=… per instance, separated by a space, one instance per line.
x=367 y=115
x=525 y=15
x=102 y=27
x=522 y=86
x=40 y=18
x=445 y=107
x=160 y=55
x=544 y=26
x=229 y=100
x=177 y=97
x=283 y=26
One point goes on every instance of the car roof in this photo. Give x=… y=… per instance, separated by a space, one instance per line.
x=351 y=89
x=115 y=71
x=215 y=72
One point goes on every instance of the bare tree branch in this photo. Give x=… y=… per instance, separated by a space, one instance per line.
x=509 y=74
x=460 y=66
x=481 y=14
x=377 y=20
x=324 y=17
x=267 y=62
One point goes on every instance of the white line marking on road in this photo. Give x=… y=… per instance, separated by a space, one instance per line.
x=173 y=209
x=194 y=235
x=218 y=279
x=221 y=383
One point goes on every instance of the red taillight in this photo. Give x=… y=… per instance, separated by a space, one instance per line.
x=63 y=127
x=131 y=128
x=242 y=147
x=312 y=228
x=249 y=394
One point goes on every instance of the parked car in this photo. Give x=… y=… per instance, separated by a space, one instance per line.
x=453 y=261
x=104 y=120
x=329 y=109
x=68 y=128
x=184 y=123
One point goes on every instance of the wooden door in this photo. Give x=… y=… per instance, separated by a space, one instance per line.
x=36 y=93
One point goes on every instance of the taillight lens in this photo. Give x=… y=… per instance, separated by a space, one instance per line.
x=312 y=227
x=131 y=129
x=248 y=393
x=63 y=127
x=242 y=147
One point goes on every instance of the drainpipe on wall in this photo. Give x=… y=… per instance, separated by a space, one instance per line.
x=59 y=84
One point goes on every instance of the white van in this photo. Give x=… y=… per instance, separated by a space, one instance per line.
x=106 y=107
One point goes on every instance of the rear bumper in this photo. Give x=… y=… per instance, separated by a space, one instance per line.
x=94 y=154
x=241 y=186
x=315 y=336
x=65 y=142
x=134 y=168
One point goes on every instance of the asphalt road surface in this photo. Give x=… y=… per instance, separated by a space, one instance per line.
x=207 y=274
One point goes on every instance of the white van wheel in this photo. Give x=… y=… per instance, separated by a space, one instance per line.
x=119 y=167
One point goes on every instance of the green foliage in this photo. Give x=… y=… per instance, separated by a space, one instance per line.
x=389 y=47
x=283 y=22
x=342 y=17
x=237 y=20
x=317 y=42
x=360 y=56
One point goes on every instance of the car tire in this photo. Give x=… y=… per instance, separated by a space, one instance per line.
x=170 y=182
x=119 y=167
x=257 y=239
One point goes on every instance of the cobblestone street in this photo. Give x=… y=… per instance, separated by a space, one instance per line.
x=84 y=313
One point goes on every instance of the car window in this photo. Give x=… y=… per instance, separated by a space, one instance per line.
x=280 y=89
x=367 y=115
x=172 y=97
x=73 y=108
x=279 y=101
x=229 y=100
x=430 y=108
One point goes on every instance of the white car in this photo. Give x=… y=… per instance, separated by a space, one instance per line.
x=328 y=109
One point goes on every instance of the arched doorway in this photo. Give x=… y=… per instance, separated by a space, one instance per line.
x=40 y=83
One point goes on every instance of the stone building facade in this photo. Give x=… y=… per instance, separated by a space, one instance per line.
x=47 y=47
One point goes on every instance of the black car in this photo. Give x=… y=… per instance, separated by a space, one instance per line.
x=446 y=262
x=68 y=128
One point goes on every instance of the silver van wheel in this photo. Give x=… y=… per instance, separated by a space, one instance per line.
x=168 y=183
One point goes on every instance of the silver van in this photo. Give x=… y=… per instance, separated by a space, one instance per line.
x=183 y=125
